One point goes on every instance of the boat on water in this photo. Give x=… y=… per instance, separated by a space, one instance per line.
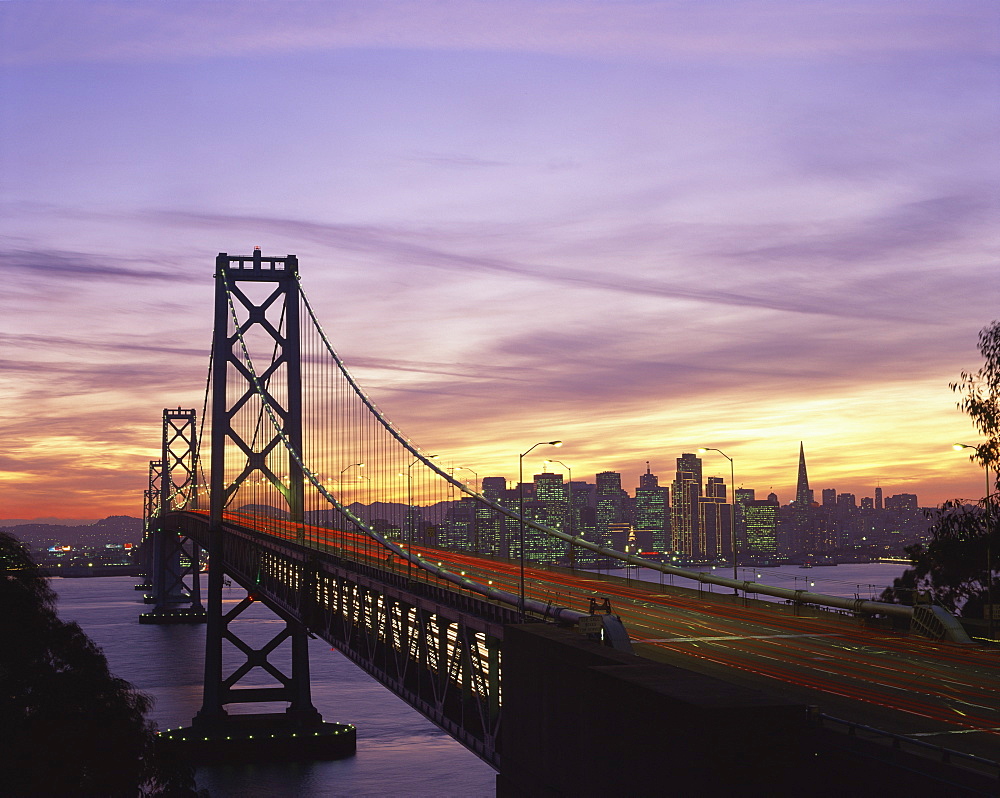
x=818 y=561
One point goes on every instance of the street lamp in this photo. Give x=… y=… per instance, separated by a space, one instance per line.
x=989 y=532
x=475 y=476
x=352 y=465
x=569 y=502
x=732 y=506
x=410 y=514
x=520 y=503
x=340 y=480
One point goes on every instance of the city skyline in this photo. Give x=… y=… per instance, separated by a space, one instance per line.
x=783 y=500
x=640 y=228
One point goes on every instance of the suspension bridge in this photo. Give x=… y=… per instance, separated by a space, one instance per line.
x=478 y=615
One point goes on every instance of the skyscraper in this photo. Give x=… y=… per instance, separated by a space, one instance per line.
x=761 y=519
x=493 y=529
x=549 y=489
x=548 y=507
x=652 y=511
x=714 y=519
x=684 y=515
x=742 y=497
x=800 y=532
x=803 y=496
x=610 y=503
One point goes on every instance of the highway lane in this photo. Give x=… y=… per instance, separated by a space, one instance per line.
x=938 y=692
x=942 y=693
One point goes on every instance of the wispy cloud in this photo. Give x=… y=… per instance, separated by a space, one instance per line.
x=62 y=343
x=77 y=265
x=646 y=225
x=414 y=249
x=912 y=228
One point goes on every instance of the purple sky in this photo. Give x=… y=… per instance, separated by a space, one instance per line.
x=641 y=227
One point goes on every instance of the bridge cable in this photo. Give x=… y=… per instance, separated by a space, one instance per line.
x=545 y=609
x=747 y=586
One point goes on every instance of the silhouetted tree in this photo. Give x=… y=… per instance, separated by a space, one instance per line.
x=981 y=398
x=67 y=726
x=952 y=568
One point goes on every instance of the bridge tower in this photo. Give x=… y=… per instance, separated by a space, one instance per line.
x=150 y=510
x=176 y=561
x=276 y=392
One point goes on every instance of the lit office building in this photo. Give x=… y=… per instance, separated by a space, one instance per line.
x=761 y=522
x=652 y=512
x=714 y=522
x=610 y=504
x=684 y=516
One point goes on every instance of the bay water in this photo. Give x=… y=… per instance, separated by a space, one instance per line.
x=400 y=753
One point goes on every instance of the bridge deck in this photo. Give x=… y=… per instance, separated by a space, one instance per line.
x=937 y=692
x=940 y=693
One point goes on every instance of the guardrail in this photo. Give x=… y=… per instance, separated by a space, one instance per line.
x=971 y=762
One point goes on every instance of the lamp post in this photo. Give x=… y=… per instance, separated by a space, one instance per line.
x=340 y=481
x=475 y=476
x=520 y=503
x=409 y=514
x=732 y=507
x=569 y=503
x=352 y=465
x=368 y=515
x=989 y=533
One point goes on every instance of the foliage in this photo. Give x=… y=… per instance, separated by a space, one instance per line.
x=952 y=570
x=981 y=398
x=67 y=726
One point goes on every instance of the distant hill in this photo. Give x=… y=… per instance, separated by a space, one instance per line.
x=391 y=512
x=7 y=523
x=114 y=529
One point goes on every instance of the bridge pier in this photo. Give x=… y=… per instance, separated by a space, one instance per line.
x=582 y=719
x=298 y=733
x=176 y=587
x=150 y=510
x=176 y=559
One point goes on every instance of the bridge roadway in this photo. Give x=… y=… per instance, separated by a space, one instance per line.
x=941 y=693
x=936 y=692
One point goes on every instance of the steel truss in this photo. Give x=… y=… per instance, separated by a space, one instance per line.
x=438 y=650
x=150 y=511
x=151 y=498
x=234 y=387
x=176 y=560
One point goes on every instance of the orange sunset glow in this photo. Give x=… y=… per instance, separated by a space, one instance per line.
x=629 y=233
